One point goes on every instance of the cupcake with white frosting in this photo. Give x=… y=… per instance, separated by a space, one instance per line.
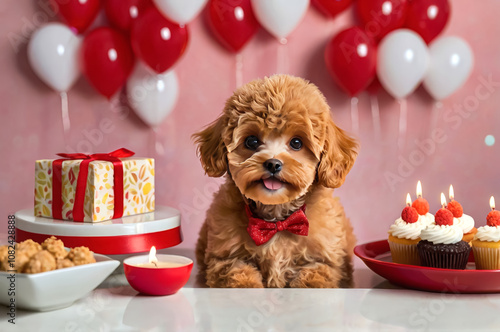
x=486 y=243
x=466 y=223
x=404 y=235
x=426 y=219
x=441 y=243
x=461 y=219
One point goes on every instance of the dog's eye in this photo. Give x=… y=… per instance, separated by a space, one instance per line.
x=296 y=144
x=252 y=142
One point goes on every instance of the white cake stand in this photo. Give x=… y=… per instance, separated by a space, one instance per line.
x=127 y=235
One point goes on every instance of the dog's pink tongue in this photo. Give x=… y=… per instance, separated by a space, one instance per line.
x=272 y=184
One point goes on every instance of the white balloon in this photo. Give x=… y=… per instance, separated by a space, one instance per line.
x=53 y=53
x=402 y=62
x=180 y=11
x=451 y=63
x=153 y=96
x=280 y=17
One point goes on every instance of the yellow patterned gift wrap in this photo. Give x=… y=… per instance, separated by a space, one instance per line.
x=138 y=188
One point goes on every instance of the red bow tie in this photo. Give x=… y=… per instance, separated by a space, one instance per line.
x=262 y=231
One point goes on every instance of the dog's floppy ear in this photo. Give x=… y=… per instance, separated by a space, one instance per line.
x=337 y=157
x=211 y=148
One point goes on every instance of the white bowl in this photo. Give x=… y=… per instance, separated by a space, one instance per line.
x=55 y=289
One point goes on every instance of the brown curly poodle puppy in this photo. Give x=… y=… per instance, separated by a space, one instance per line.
x=274 y=222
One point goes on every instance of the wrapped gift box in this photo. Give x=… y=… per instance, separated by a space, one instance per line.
x=99 y=203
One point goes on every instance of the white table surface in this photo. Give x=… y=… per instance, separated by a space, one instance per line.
x=373 y=305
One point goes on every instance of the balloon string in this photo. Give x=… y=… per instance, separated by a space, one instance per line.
x=376 y=117
x=159 y=149
x=239 y=70
x=282 y=66
x=355 y=115
x=403 y=123
x=435 y=114
x=65 y=114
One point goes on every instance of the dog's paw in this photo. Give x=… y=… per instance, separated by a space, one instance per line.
x=243 y=276
x=321 y=276
x=244 y=280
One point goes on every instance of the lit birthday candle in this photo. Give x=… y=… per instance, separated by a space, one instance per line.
x=454 y=206
x=154 y=263
x=493 y=218
x=420 y=204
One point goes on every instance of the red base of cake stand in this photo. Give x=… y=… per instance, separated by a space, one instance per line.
x=127 y=235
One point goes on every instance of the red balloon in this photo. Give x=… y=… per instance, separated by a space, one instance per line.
x=107 y=60
x=379 y=17
x=232 y=22
x=76 y=13
x=351 y=58
x=374 y=87
x=428 y=17
x=158 y=41
x=122 y=13
x=332 y=7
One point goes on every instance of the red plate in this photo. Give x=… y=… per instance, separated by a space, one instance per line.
x=377 y=256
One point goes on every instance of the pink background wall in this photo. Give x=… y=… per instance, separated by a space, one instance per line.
x=32 y=127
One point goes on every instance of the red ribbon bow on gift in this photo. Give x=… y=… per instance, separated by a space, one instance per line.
x=262 y=231
x=81 y=184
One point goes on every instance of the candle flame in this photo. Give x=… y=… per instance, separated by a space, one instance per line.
x=152 y=255
x=452 y=193
x=443 y=200
x=419 y=189
x=492 y=202
x=408 y=199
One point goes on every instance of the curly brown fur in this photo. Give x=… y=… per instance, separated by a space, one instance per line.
x=276 y=110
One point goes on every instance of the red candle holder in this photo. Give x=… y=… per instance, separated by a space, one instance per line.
x=161 y=280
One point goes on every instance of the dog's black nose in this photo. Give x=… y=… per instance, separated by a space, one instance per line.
x=273 y=165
